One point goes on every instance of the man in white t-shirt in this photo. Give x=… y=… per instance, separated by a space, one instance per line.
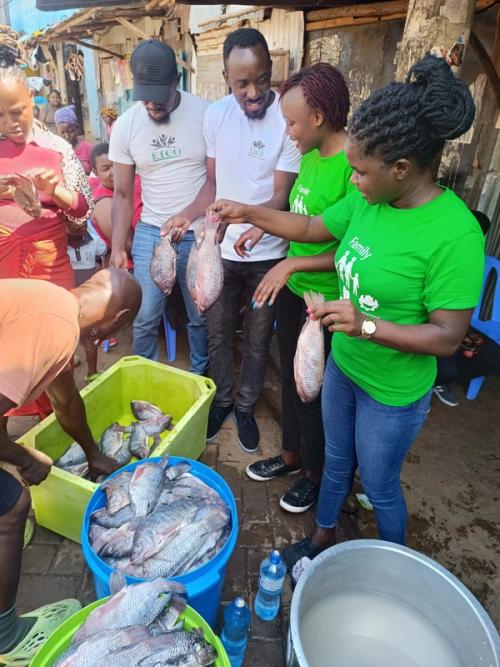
x=161 y=139
x=255 y=162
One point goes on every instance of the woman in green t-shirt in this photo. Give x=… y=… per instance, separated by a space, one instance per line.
x=410 y=266
x=315 y=104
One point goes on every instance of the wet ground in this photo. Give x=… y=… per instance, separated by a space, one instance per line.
x=451 y=480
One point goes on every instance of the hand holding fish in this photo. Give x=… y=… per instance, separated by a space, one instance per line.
x=272 y=283
x=229 y=212
x=7 y=190
x=339 y=315
x=178 y=224
x=99 y=464
x=247 y=241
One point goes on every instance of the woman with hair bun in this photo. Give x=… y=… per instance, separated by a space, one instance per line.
x=315 y=104
x=410 y=266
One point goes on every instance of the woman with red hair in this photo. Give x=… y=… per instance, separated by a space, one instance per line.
x=315 y=104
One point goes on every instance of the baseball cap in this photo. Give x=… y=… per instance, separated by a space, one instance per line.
x=154 y=69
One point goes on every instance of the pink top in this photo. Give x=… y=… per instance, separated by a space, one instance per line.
x=82 y=150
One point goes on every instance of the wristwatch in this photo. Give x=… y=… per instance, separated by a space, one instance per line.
x=368 y=328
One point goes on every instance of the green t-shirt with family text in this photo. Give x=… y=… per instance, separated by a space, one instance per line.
x=399 y=265
x=320 y=183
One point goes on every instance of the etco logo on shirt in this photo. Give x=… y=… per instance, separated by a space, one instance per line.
x=166 y=148
x=257 y=149
x=347 y=270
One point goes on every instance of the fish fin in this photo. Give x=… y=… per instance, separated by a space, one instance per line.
x=165 y=460
x=313 y=298
x=117 y=581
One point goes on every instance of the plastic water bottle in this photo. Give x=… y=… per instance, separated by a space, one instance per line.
x=234 y=634
x=272 y=576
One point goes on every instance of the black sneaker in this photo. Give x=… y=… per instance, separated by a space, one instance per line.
x=300 y=497
x=248 y=431
x=266 y=469
x=216 y=417
x=445 y=395
x=290 y=555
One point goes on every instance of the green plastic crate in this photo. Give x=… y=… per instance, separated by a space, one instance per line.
x=60 y=500
x=61 y=638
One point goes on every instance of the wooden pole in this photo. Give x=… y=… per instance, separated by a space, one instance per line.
x=433 y=25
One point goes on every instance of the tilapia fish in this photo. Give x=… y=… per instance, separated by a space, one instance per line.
x=131 y=605
x=96 y=649
x=163 y=264
x=25 y=194
x=144 y=410
x=309 y=361
x=191 y=269
x=114 y=443
x=178 y=647
x=146 y=486
x=159 y=521
x=139 y=441
x=210 y=271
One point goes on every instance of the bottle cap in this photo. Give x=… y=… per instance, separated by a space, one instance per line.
x=239 y=602
x=275 y=556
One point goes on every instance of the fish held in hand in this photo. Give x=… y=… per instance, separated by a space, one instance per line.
x=309 y=361
x=163 y=265
x=210 y=270
x=25 y=194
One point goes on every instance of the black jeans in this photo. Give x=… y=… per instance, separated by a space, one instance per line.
x=240 y=280
x=302 y=423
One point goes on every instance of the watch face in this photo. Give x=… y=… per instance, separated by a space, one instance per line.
x=369 y=327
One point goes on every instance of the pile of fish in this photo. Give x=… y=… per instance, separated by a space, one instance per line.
x=159 y=521
x=204 y=271
x=309 y=361
x=25 y=194
x=122 y=442
x=138 y=626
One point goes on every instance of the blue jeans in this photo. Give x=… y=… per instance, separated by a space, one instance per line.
x=154 y=300
x=362 y=433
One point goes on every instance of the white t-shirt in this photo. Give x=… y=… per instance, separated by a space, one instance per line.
x=170 y=157
x=247 y=154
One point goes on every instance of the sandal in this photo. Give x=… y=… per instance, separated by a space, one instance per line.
x=29 y=529
x=48 y=619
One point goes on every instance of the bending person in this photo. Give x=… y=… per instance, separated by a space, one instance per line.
x=410 y=265
x=40 y=325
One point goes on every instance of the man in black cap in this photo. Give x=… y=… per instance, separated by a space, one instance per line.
x=161 y=139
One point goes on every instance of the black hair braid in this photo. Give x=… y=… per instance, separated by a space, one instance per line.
x=446 y=102
x=11 y=55
x=11 y=51
x=413 y=119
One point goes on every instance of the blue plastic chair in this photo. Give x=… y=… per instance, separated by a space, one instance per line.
x=170 y=338
x=490 y=328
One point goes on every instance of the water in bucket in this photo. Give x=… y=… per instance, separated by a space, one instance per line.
x=361 y=629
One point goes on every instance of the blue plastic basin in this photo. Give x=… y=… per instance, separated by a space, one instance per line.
x=204 y=584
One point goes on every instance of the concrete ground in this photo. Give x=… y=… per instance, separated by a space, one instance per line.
x=451 y=485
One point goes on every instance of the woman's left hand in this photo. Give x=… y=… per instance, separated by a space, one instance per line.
x=339 y=315
x=46 y=181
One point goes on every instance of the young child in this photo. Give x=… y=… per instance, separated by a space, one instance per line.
x=102 y=189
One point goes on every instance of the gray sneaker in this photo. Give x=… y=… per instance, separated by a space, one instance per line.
x=445 y=395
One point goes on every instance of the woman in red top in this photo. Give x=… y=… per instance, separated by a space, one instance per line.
x=35 y=247
x=67 y=128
